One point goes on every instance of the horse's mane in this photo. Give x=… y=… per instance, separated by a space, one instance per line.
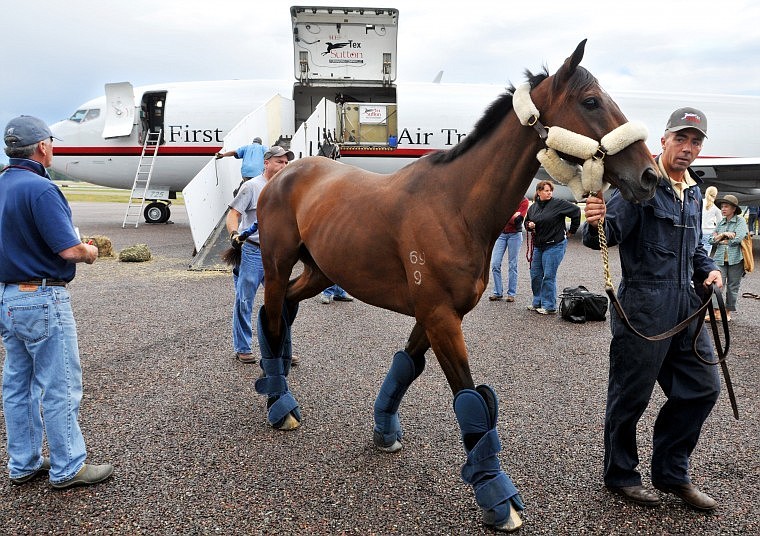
x=496 y=112
x=488 y=122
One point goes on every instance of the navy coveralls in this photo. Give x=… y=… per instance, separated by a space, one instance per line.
x=658 y=241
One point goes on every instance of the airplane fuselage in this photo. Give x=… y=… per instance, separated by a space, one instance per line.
x=198 y=115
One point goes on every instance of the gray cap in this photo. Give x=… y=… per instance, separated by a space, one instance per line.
x=276 y=150
x=26 y=130
x=257 y=140
x=684 y=118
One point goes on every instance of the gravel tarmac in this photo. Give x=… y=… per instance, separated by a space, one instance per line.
x=166 y=402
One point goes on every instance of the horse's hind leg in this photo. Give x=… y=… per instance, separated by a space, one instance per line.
x=274 y=334
x=309 y=283
x=407 y=365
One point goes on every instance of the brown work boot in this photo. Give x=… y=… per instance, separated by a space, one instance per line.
x=246 y=359
x=690 y=494
x=637 y=494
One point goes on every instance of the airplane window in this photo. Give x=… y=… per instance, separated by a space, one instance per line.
x=78 y=116
x=91 y=114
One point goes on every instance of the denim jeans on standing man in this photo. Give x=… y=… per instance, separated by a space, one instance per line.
x=250 y=276
x=335 y=290
x=543 y=274
x=42 y=374
x=509 y=242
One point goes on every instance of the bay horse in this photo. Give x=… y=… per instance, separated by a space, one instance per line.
x=418 y=242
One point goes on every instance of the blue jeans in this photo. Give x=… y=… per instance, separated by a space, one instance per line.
x=334 y=290
x=707 y=246
x=250 y=276
x=511 y=243
x=543 y=274
x=41 y=372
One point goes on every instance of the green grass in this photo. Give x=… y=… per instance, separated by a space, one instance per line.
x=83 y=191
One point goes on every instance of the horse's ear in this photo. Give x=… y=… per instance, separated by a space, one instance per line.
x=573 y=61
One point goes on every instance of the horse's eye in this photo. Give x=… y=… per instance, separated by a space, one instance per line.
x=591 y=103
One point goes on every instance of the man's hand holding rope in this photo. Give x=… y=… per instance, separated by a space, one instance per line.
x=595 y=210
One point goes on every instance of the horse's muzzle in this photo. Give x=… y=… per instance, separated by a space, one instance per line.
x=641 y=190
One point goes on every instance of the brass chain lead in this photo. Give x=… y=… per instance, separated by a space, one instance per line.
x=605 y=254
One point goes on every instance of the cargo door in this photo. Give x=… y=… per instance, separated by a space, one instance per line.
x=345 y=45
x=120 y=110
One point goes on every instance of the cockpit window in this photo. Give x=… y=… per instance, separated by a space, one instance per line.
x=80 y=116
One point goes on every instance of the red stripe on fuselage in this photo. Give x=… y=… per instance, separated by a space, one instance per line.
x=209 y=151
x=189 y=150
x=382 y=152
x=172 y=150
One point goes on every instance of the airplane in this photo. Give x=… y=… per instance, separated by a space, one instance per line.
x=345 y=58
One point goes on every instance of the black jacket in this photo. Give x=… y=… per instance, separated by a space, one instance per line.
x=549 y=217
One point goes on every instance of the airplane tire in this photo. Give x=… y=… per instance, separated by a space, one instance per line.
x=157 y=212
x=167 y=214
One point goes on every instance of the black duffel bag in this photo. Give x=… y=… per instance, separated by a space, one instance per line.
x=578 y=304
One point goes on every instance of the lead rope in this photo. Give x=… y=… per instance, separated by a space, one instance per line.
x=605 y=254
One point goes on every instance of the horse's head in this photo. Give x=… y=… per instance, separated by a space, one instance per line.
x=593 y=131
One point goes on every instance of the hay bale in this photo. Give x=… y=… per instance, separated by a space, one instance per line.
x=103 y=243
x=136 y=253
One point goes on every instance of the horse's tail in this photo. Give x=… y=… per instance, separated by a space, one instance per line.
x=231 y=256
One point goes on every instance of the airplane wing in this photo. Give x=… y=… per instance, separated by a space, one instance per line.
x=737 y=176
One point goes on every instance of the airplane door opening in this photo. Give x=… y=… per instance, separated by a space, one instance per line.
x=152 y=113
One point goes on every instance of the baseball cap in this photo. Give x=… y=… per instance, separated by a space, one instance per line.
x=26 y=130
x=687 y=118
x=276 y=150
x=257 y=140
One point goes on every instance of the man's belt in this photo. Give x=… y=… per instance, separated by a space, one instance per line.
x=42 y=282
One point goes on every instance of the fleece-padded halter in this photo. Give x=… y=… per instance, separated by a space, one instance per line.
x=582 y=180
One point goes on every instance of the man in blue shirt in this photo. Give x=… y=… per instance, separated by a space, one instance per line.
x=253 y=159
x=39 y=247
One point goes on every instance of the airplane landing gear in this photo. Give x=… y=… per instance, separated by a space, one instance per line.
x=157 y=212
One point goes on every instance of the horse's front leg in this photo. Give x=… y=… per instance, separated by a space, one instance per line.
x=407 y=365
x=477 y=411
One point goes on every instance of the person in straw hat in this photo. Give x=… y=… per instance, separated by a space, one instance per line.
x=727 y=250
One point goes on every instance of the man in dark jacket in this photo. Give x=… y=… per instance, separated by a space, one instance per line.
x=660 y=254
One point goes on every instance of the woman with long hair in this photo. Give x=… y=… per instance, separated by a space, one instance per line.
x=711 y=215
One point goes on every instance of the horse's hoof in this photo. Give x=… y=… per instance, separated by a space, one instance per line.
x=288 y=423
x=512 y=524
x=377 y=439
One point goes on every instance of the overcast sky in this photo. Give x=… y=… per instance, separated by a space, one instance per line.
x=58 y=54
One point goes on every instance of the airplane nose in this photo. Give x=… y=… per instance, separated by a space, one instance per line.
x=58 y=130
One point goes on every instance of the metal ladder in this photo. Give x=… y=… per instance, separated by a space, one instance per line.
x=142 y=179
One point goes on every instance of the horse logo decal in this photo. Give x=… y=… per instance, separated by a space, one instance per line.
x=692 y=118
x=333 y=46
